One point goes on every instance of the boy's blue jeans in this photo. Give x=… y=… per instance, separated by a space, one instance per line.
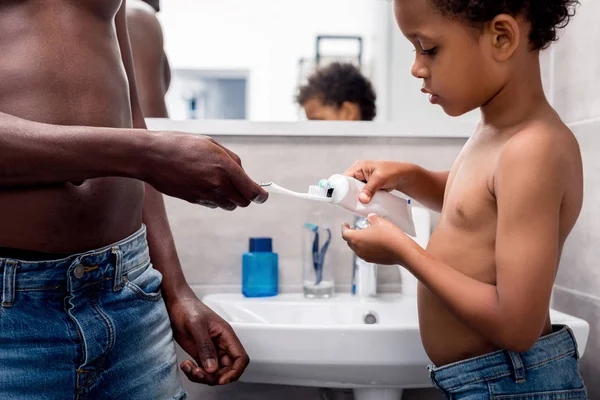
x=548 y=371
x=89 y=326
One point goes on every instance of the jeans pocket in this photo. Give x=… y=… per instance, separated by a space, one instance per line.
x=145 y=283
x=574 y=394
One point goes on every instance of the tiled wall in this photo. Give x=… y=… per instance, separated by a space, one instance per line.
x=576 y=84
x=577 y=289
x=576 y=70
x=211 y=242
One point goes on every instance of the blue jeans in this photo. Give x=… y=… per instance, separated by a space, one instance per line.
x=548 y=371
x=88 y=326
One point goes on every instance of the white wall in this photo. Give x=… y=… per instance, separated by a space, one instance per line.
x=268 y=37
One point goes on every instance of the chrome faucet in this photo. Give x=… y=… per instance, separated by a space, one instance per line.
x=364 y=274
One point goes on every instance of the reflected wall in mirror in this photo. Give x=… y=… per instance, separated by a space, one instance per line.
x=246 y=59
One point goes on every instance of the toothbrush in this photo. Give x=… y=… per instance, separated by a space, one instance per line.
x=322 y=253
x=315 y=193
x=343 y=191
x=318 y=256
x=315 y=250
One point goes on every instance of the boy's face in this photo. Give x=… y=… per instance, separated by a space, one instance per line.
x=453 y=60
x=316 y=110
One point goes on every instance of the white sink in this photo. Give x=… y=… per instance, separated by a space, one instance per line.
x=326 y=343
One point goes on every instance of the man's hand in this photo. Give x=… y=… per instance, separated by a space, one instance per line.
x=198 y=169
x=219 y=355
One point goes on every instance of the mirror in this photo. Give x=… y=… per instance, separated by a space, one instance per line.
x=245 y=59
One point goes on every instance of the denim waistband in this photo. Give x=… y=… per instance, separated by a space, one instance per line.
x=560 y=343
x=76 y=271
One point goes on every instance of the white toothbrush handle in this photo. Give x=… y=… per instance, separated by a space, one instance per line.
x=274 y=188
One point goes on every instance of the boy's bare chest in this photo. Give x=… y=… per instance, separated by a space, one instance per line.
x=469 y=202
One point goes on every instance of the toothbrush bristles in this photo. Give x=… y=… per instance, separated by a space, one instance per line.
x=317 y=191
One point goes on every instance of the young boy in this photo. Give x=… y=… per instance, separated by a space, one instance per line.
x=507 y=205
x=338 y=92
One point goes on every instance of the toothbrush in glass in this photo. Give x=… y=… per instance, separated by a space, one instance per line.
x=321 y=259
x=318 y=256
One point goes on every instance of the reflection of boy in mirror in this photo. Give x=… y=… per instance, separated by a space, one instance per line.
x=338 y=92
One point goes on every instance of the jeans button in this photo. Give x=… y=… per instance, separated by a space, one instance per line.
x=78 y=272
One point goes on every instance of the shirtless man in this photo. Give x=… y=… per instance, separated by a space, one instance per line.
x=507 y=205
x=82 y=312
x=153 y=77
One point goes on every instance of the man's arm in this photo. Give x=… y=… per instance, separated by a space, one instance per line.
x=33 y=153
x=196 y=328
x=191 y=167
x=529 y=188
x=149 y=61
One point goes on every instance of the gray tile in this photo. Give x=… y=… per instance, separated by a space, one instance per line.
x=422 y=394
x=576 y=68
x=388 y=275
x=588 y=310
x=244 y=391
x=579 y=262
x=248 y=391
x=337 y=394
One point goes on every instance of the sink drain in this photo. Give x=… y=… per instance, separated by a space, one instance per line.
x=371 y=318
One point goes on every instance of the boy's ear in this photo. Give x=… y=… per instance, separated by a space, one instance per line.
x=349 y=111
x=505 y=36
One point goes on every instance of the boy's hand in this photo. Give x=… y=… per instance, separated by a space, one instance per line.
x=378 y=243
x=381 y=175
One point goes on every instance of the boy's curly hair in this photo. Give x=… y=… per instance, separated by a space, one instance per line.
x=337 y=83
x=545 y=16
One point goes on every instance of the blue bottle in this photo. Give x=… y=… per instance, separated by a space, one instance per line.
x=260 y=269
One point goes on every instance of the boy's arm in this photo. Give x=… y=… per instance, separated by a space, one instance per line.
x=529 y=188
x=428 y=188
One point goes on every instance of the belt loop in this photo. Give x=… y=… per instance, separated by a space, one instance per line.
x=435 y=383
x=575 y=344
x=8 y=283
x=118 y=280
x=518 y=366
